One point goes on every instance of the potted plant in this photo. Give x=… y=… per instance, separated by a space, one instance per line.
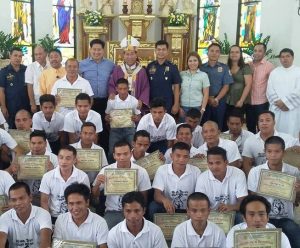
x=7 y=42
x=93 y=18
x=48 y=43
x=176 y=19
x=225 y=48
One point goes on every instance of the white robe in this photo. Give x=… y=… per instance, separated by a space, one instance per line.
x=284 y=85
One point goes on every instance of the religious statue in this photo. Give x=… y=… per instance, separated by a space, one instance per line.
x=165 y=7
x=105 y=6
x=85 y=5
x=185 y=6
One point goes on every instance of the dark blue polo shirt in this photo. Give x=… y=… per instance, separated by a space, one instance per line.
x=161 y=79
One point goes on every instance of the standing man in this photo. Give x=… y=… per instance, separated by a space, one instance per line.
x=261 y=70
x=97 y=70
x=32 y=76
x=219 y=78
x=283 y=93
x=13 y=91
x=164 y=78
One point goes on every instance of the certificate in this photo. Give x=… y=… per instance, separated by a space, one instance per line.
x=150 y=163
x=72 y=244
x=276 y=184
x=3 y=202
x=260 y=237
x=120 y=181
x=67 y=97
x=22 y=138
x=226 y=136
x=201 y=163
x=121 y=118
x=32 y=167
x=292 y=156
x=89 y=159
x=168 y=222
x=223 y=220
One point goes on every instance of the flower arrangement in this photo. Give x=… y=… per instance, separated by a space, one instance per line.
x=93 y=18
x=177 y=19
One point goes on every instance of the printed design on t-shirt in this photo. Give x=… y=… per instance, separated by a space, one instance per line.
x=158 y=138
x=222 y=199
x=120 y=202
x=24 y=243
x=179 y=198
x=35 y=187
x=279 y=208
x=63 y=205
x=261 y=158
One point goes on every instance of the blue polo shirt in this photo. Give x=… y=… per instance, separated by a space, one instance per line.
x=97 y=74
x=218 y=75
x=161 y=79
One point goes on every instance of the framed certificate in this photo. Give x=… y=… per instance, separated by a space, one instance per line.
x=201 y=163
x=72 y=244
x=89 y=159
x=168 y=222
x=121 y=118
x=226 y=136
x=22 y=138
x=276 y=184
x=120 y=181
x=260 y=237
x=292 y=156
x=150 y=163
x=32 y=167
x=67 y=97
x=224 y=220
x=3 y=202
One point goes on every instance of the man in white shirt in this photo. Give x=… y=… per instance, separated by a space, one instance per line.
x=83 y=113
x=54 y=182
x=255 y=210
x=253 y=153
x=32 y=76
x=193 y=117
x=224 y=185
x=80 y=224
x=283 y=93
x=135 y=230
x=24 y=225
x=122 y=154
x=174 y=182
x=282 y=211
x=6 y=181
x=198 y=231
x=160 y=125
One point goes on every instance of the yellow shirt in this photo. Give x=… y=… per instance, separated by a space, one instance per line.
x=49 y=77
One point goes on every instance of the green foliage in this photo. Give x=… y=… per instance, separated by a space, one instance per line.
x=93 y=18
x=7 y=42
x=47 y=43
x=176 y=19
x=225 y=45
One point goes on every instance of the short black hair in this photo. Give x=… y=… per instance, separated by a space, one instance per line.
x=120 y=144
x=181 y=146
x=162 y=43
x=88 y=124
x=97 y=41
x=78 y=188
x=216 y=150
x=47 y=98
x=158 y=102
x=38 y=133
x=141 y=133
x=55 y=50
x=261 y=44
x=276 y=140
x=68 y=148
x=214 y=44
x=252 y=198
x=83 y=96
x=193 y=113
x=19 y=185
x=236 y=112
x=198 y=196
x=122 y=81
x=287 y=50
x=184 y=125
x=134 y=196
x=266 y=112
x=18 y=49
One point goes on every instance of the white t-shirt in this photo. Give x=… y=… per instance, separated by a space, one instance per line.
x=230 y=146
x=51 y=128
x=230 y=236
x=54 y=186
x=2 y=119
x=132 y=159
x=6 y=139
x=193 y=152
x=113 y=202
x=232 y=187
x=6 y=181
x=93 y=229
x=165 y=131
x=150 y=236
x=25 y=235
x=245 y=134
x=185 y=236
x=175 y=188
x=279 y=208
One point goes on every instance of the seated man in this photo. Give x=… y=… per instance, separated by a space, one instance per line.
x=211 y=135
x=198 y=231
x=160 y=125
x=24 y=225
x=54 y=182
x=122 y=154
x=224 y=185
x=282 y=211
x=255 y=210
x=80 y=224
x=6 y=181
x=174 y=182
x=135 y=230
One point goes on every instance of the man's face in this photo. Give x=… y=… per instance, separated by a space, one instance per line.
x=77 y=206
x=141 y=144
x=66 y=159
x=83 y=107
x=286 y=59
x=210 y=133
x=122 y=155
x=122 y=90
x=198 y=211
x=40 y=55
x=266 y=123
x=55 y=60
x=158 y=114
x=161 y=52
x=213 y=53
x=16 y=58
x=274 y=153
x=256 y=215
x=217 y=165
x=23 y=121
x=235 y=125
x=88 y=135
x=193 y=122
x=130 y=57
x=258 y=53
x=133 y=213
x=184 y=135
x=37 y=145
x=97 y=52
x=48 y=109
x=20 y=201
x=72 y=68
x=180 y=157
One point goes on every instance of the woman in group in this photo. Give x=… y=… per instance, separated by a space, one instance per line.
x=194 y=87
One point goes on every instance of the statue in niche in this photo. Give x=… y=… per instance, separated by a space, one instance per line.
x=85 y=5
x=185 y=6
x=105 y=6
x=165 y=7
